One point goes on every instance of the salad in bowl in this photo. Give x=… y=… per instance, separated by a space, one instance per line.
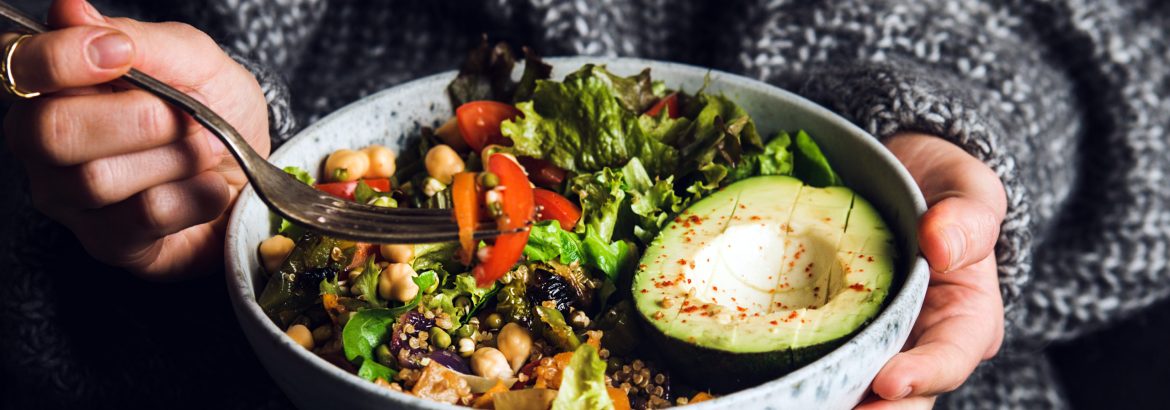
x=660 y=249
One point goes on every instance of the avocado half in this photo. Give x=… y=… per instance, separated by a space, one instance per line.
x=763 y=277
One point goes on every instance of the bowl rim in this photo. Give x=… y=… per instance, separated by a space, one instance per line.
x=239 y=280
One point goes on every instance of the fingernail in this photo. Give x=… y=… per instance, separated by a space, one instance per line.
x=111 y=50
x=905 y=392
x=955 y=239
x=91 y=11
x=217 y=148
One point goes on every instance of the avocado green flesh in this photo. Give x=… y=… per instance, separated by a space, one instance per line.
x=762 y=277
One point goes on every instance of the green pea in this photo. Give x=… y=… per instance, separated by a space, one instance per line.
x=439 y=338
x=466 y=330
x=489 y=179
x=382 y=353
x=494 y=321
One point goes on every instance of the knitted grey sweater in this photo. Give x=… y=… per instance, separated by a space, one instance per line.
x=1067 y=100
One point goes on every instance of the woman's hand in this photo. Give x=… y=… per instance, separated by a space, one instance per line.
x=961 y=323
x=140 y=183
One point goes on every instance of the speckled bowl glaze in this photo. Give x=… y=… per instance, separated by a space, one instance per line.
x=837 y=381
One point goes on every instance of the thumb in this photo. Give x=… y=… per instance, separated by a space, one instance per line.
x=966 y=199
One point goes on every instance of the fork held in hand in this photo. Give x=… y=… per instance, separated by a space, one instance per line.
x=288 y=197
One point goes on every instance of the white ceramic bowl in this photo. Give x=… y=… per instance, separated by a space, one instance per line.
x=837 y=381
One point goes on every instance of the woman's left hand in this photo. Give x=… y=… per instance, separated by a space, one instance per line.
x=961 y=323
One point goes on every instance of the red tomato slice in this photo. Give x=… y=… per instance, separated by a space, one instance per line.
x=344 y=190
x=479 y=122
x=556 y=207
x=466 y=199
x=542 y=172
x=518 y=205
x=669 y=102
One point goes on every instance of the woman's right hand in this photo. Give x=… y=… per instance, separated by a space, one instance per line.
x=141 y=184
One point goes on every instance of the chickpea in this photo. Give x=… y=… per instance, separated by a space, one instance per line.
x=397 y=253
x=515 y=343
x=346 y=165
x=381 y=161
x=274 y=250
x=396 y=283
x=301 y=335
x=443 y=163
x=490 y=363
x=450 y=135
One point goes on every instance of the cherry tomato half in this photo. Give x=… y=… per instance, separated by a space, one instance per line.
x=344 y=190
x=556 y=207
x=479 y=122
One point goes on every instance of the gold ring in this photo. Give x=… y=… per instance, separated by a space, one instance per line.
x=6 y=77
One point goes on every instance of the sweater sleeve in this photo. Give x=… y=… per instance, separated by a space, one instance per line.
x=1064 y=107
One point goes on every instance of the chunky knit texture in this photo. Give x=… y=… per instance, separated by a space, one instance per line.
x=1065 y=99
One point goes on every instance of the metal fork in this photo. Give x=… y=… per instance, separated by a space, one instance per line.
x=288 y=197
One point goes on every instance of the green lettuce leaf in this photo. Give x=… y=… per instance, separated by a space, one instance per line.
x=583 y=124
x=365 y=286
x=602 y=197
x=775 y=160
x=284 y=226
x=438 y=257
x=583 y=385
x=635 y=93
x=364 y=331
x=547 y=241
x=371 y=370
x=653 y=202
x=462 y=284
x=723 y=132
x=301 y=175
x=810 y=165
x=612 y=258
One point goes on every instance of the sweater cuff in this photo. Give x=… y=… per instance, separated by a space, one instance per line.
x=885 y=100
x=281 y=123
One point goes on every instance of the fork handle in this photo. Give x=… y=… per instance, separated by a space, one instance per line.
x=248 y=158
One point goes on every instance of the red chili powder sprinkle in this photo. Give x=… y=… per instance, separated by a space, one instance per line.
x=682 y=262
x=774 y=323
x=695 y=219
x=689 y=309
x=755 y=218
x=792 y=315
x=857 y=286
x=645 y=291
x=741 y=308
